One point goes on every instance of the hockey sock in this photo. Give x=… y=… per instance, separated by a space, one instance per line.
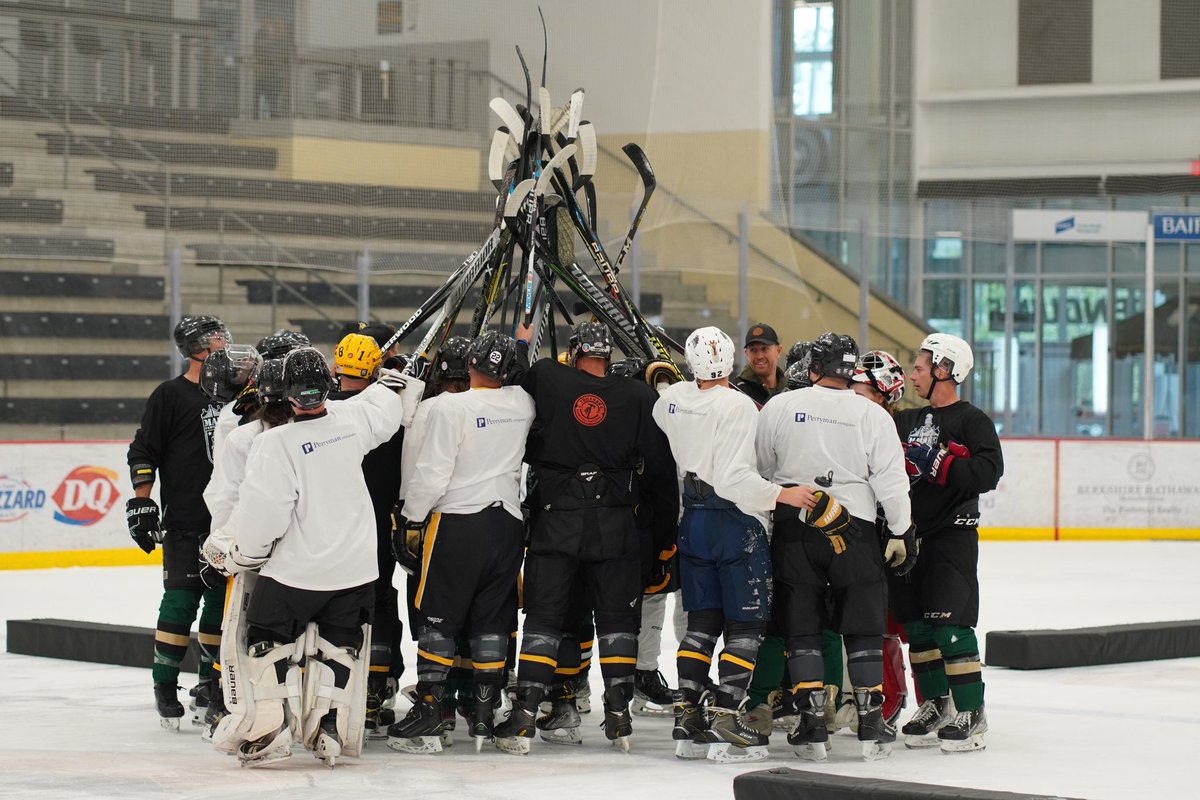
x=435 y=655
x=570 y=659
x=736 y=665
x=960 y=649
x=539 y=657
x=864 y=661
x=487 y=658
x=929 y=670
x=209 y=633
x=769 y=670
x=694 y=657
x=831 y=653
x=804 y=663
x=176 y=613
x=510 y=656
x=618 y=657
x=654 y=612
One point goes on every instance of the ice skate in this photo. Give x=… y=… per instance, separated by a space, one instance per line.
x=617 y=724
x=922 y=729
x=810 y=738
x=845 y=715
x=420 y=732
x=379 y=716
x=561 y=725
x=690 y=742
x=964 y=732
x=832 y=694
x=481 y=713
x=583 y=693
x=170 y=710
x=214 y=714
x=874 y=733
x=328 y=746
x=651 y=695
x=201 y=696
x=731 y=741
x=514 y=734
x=760 y=719
x=783 y=710
x=266 y=749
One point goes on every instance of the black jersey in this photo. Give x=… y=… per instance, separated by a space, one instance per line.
x=176 y=439
x=605 y=422
x=956 y=503
x=381 y=469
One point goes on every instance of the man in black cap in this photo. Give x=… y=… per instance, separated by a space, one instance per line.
x=762 y=378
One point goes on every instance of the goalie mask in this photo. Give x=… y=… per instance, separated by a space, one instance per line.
x=306 y=378
x=710 y=352
x=357 y=356
x=452 y=359
x=193 y=335
x=280 y=343
x=591 y=339
x=880 y=370
x=492 y=354
x=225 y=373
x=834 y=355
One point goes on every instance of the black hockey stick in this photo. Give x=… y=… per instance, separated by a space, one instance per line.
x=642 y=164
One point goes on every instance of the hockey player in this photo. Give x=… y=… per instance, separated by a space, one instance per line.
x=173 y=447
x=953 y=455
x=303 y=516
x=355 y=361
x=828 y=436
x=593 y=433
x=724 y=556
x=462 y=514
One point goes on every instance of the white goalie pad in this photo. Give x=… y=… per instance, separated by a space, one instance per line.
x=321 y=694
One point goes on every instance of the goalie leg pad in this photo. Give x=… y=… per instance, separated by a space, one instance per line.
x=274 y=675
x=335 y=680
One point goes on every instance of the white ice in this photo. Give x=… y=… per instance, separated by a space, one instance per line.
x=75 y=730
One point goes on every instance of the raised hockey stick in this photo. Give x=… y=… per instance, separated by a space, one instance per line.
x=642 y=164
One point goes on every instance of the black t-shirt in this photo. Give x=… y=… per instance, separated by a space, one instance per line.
x=933 y=506
x=381 y=470
x=176 y=438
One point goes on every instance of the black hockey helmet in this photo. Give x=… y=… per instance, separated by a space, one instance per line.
x=798 y=375
x=192 y=334
x=280 y=343
x=801 y=350
x=270 y=381
x=225 y=373
x=492 y=354
x=627 y=368
x=307 y=380
x=591 y=339
x=452 y=359
x=834 y=355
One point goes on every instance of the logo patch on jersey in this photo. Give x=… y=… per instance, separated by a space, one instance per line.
x=927 y=433
x=670 y=408
x=590 y=410
x=801 y=416
x=208 y=421
x=481 y=422
x=306 y=448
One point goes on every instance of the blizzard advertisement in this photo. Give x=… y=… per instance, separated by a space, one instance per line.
x=63 y=496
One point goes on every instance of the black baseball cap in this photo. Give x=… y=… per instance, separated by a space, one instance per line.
x=761 y=333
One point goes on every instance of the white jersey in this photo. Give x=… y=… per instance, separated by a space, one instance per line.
x=412 y=443
x=712 y=435
x=221 y=494
x=304 y=501
x=471 y=453
x=227 y=423
x=842 y=442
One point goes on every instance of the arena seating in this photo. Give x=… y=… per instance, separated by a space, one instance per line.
x=213 y=155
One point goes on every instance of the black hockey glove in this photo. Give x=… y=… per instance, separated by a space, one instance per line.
x=900 y=551
x=210 y=576
x=141 y=515
x=408 y=539
x=660 y=573
x=831 y=518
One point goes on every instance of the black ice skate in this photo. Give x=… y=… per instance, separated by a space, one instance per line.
x=215 y=713
x=651 y=695
x=964 y=732
x=170 y=710
x=201 y=696
x=810 y=737
x=481 y=713
x=561 y=724
x=922 y=729
x=379 y=716
x=582 y=690
x=688 y=733
x=328 y=746
x=421 y=730
x=874 y=732
x=783 y=710
x=617 y=724
x=731 y=740
x=514 y=734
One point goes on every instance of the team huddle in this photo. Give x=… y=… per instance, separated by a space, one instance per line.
x=803 y=522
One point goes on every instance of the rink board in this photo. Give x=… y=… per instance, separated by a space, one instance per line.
x=797 y=784
x=1085 y=647
x=96 y=642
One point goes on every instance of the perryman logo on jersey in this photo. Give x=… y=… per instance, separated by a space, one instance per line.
x=85 y=495
x=308 y=447
x=481 y=422
x=670 y=408
x=801 y=416
x=18 y=498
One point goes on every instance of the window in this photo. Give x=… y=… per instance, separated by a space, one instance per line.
x=1179 y=30
x=389 y=16
x=1054 y=42
x=812 y=74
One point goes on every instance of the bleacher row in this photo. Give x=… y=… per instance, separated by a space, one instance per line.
x=326 y=225
x=121 y=116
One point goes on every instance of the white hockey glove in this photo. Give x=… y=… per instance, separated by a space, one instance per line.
x=215 y=551
x=237 y=561
x=895 y=553
x=392 y=379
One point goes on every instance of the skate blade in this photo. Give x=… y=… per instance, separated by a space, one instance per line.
x=479 y=740
x=813 y=751
x=970 y=745
x=641 y=707
x=689 y=750
x=567 y=736
x=726 y=753
x=913 y=742
x=516 y=745
x=376 y=734
x=447 y=737
x=621 y=743
x=264 y=757
x=198 y=718
x=419 y=745
x=876 y=751
x=169 y=723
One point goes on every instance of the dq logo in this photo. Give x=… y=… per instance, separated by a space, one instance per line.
x=85 y=495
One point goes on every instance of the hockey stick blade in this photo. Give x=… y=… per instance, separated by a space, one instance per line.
x=509 y=117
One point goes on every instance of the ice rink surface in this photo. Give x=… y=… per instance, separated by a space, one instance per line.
x=74 y=730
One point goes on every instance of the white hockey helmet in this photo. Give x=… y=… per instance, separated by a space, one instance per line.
x=709 y=352
x=951 y=353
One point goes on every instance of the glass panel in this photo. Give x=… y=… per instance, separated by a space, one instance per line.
x=1191 y=257
x=1077 y=259
x=1128 y=345
x=1191 y=398
x=945 y=305
x=1022 y=394
x=989 y=375
x=812 y=75
x=1129 y=258
x=1026 y=258
x=1075 y=360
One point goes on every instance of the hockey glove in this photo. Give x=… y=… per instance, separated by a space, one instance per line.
x=141 y=515
x=210 y=576
x=660 y=573
x=932 y=463
x=247 y=401
x=392 y=379
x=832 y=519
x=900 y=552
x=408 y=540
x=237 y=561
